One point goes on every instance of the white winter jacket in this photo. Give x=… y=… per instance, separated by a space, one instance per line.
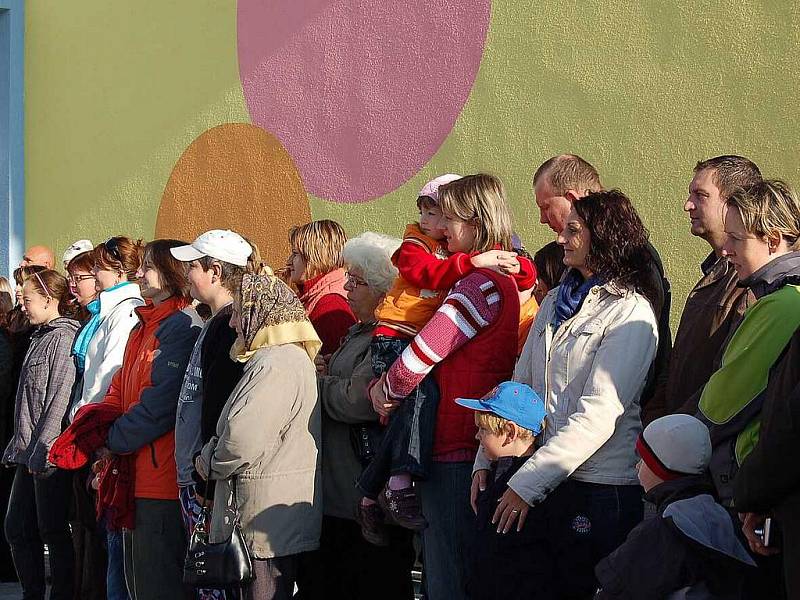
x=590 y=374
x=107 y=346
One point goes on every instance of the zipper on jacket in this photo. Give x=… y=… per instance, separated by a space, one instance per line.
x=153 y=455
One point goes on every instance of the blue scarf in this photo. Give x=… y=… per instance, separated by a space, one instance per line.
x=86 y=333
x=571 y=294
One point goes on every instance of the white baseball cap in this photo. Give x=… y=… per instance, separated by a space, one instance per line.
x=78 y=247
x=222 y=244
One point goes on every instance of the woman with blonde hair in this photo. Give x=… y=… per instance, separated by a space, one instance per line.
x=471 y=341
x=315 y=268
x=751 y=402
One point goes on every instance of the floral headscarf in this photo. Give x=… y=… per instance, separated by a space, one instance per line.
x=271 y=314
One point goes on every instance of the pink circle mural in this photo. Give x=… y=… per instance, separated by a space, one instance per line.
x=360 y=92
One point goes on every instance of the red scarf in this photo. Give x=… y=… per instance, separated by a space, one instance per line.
x=329 y=283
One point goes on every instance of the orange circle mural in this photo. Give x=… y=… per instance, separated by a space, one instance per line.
x=235 y=176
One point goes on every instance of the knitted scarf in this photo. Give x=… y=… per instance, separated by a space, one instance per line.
x=571 y=294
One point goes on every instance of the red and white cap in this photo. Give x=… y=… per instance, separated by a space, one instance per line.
x=222 y=244
x=675 y=446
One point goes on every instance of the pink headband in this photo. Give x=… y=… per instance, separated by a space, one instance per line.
x=49 y=294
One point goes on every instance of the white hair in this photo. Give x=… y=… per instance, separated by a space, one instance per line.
x=371 y=253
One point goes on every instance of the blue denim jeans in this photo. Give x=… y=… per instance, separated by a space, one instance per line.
x=406 y=443
x=447 y=542
x=115 y=576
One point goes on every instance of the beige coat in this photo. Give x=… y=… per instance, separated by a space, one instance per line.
x=268 y=435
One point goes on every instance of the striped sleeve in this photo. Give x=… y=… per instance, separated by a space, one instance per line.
x=471 y=306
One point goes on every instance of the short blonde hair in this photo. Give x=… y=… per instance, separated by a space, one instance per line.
x=481 y=200
x=769 y=208
x=371 y=253
x=497 y=425
x=320 y=244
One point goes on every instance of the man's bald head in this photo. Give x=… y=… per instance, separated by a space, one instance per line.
x=38 y=255
x=558 y=182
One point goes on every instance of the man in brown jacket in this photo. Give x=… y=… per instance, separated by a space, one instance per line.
x=715 y=305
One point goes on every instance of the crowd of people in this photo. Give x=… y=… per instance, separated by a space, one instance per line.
x=522 y=426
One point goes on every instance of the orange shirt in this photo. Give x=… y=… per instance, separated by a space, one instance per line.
x=527 y=313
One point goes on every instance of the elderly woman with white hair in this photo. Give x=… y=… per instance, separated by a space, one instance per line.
x=347 y=566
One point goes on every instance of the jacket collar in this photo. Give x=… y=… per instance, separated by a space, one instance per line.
x=110 y=298
x=152 y=313
x=58 y=323
x=709 y=263
x=684 y=487
x=781 y=271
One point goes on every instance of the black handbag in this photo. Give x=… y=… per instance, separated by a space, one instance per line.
x=224 y=564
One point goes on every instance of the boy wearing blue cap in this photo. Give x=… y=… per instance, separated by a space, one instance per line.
x=532 y=560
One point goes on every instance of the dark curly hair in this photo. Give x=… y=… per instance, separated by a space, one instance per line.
x=619 y=241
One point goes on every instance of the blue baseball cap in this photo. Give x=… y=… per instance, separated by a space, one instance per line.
x=514 y=401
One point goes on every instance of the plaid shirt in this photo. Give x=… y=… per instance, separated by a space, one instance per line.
x=43 y=394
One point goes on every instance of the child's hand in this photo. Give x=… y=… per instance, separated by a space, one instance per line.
x=498 y=260
x=478 y=486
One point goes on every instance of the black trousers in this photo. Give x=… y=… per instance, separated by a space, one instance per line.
x=38 y=514
x=347 y=567
x=7 y=572
x=155 y=551
x=89 y=540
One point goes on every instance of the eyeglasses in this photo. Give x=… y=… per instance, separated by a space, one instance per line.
x=76 y=279
x=112 y=246
x=355 y=280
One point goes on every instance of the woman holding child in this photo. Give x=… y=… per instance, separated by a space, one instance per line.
x=587 y=357
x=478 y=318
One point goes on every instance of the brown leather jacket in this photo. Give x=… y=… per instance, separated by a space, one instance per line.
x=713 y=309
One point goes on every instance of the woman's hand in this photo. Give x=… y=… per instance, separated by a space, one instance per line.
x=478 y=485
x=200 y=468
x=510 y=508
x=498 y=260
x=751 y=521
x=380 y=403
x=321 y=362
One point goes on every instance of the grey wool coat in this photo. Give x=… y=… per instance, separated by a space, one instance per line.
x=268 y=437
x=343 y=394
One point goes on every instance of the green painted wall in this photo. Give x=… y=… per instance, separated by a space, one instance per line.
x=116 y=91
